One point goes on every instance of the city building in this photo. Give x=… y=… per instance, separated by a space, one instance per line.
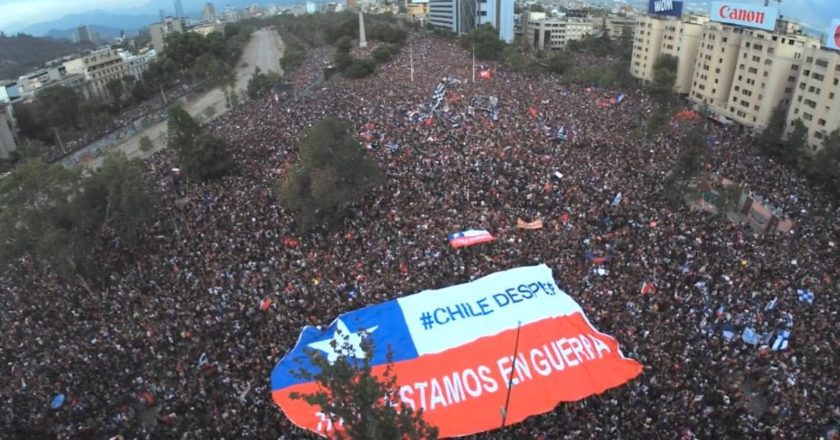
x=462 y=16
x=716 y=62
x=208 y=13
x=614 y=27
x=159 y=31
x=815 y=99
x=8 y=137
x=543 y=32
x=417 y=9
x=205 y=29
x=230 y=15
x=98 y=67
x=179 y=9
x=9 y=92
x=137 y=64
x=681 y=40
x=351 y=4
x=647 y=46
x=768 y=65
x=83 y=34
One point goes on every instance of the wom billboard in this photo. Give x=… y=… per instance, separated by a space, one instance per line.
x=833 y=41
x=741 y=14
x=665 y=7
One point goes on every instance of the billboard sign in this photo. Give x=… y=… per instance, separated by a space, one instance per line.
x=833 y=41
x=455 y=352
x=741 y=14
x=577 y=13
x=665 y=7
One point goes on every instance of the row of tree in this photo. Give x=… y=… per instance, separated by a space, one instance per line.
x=61 y=113
x=60 y=216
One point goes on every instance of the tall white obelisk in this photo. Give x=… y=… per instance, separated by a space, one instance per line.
x=362 y=40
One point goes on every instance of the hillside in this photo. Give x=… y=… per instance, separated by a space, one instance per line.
x=22 y=53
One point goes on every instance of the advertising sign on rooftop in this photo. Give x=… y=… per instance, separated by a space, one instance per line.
x=833 y=41
x=665 y=7
x=741 y=14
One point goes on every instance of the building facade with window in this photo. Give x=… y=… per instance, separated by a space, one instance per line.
x=544 y=33
x=715 y=65
x=647 y=46
x=815 y=99
x=462 y=16
x=768 y=65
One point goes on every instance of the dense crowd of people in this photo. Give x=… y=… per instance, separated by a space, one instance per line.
x=176 y=345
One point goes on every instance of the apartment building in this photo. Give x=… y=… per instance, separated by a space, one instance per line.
x=461 y=16
x=647 y=46
x=768 y=67
x=716 y=62
x=544 y=33
x=815 y=100
x=616 y=26
x=98 y=67
x=159 y=31
x=681 y=39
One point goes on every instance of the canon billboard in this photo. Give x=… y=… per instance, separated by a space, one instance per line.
x=741 y=14
x=833 y=41
x=665 y=7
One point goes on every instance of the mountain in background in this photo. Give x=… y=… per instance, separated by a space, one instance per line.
x=102 y=19
x=132 y=19
x=23 y=53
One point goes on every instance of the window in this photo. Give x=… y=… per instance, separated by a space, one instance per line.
x=821 y=122
x=807 y=116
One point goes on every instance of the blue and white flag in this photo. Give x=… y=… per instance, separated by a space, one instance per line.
x=728 y=332
x=617 y=199
x=805 y=296
x=772 y=304
x=781 y=342
x=750 y=336
x=440 y=93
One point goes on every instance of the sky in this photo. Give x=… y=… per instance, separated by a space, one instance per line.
x=17 y=14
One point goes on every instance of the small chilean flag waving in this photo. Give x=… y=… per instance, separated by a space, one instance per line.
x=470 y=237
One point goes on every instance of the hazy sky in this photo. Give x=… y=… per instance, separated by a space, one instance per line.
x=17 y=14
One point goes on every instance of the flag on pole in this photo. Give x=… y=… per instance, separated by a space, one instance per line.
x=781 y=342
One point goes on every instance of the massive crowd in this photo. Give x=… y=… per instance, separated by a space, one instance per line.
x=176 y=345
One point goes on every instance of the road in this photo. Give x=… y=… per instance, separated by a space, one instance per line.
x=264 y=50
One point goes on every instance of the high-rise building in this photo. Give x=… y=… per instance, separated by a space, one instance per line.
x=542 y=32
x=98 y=67
x=816 y=98
x=768 y=65
x=462 y=16
x=159 y=31
x=716 y=60
x=179 y=9
x=681 y=40
x=647 y=46
x=208 y=12
x=84 y=34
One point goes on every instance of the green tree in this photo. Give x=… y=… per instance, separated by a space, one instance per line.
x=116 y=88
x=207 y=158
x=365 y=406
x=58 y=217
x=146 y=144
x=182 y=129
x=536 y=7
x=360 y=68
x=771 y=138
x=560 y=62
x=795 y=146
x=331 y=173
x=119 y=197
x=826 y=164
x=260 y=82
x=664 y=76
x=688 y=166
x=485 y=40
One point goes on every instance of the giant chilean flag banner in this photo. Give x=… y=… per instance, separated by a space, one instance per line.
x=453 y=352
